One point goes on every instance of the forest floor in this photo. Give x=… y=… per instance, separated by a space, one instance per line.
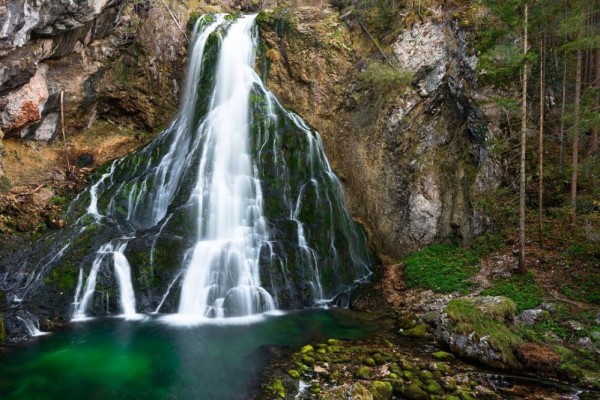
x=472 y=302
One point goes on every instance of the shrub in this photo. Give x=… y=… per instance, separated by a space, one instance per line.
x=386 y=78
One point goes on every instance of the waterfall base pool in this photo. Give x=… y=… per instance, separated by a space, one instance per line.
x=111 y=358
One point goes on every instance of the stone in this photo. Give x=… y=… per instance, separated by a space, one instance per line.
x=24 y=106
x=42 y=197
x=585 y=341
x=549 y=307
x=574 y=325
x=381 y=390
x=47 y=130
x=530 y=317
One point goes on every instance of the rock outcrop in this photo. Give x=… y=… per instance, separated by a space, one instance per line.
x=412 y=159
x=106 y=58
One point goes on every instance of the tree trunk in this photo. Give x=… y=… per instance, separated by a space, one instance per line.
x=523 y=144
x=541 y=144
x=561 y=157
x=575 y=154
x=593 y=148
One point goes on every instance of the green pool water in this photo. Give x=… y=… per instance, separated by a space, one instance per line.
x=112 y=358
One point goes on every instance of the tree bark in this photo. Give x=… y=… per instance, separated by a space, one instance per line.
x=575 y=153
x=593 y=147
x=541 y=144
x=523 y=178
x=561 y=156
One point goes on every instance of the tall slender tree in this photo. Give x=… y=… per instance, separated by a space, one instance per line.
x=541 y=142
x=523 y=177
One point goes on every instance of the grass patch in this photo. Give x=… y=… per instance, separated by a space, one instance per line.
x=522 y=289
x=586 y=290
x=486 y=319
x=441 y=268
x=386 y=78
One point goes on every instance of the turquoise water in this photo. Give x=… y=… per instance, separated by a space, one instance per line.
x=112 y=358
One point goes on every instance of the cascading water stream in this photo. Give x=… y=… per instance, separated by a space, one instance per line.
x=223 y=277
x=232 y=211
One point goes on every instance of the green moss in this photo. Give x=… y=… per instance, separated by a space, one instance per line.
x=522 y=289
x=381 y=390
x=418 y=331
x=369 y=361
x=486 y=319
x=294 y=374
x=433 y=387
x=276 y=388
x=363 y=373
x=414 y=392
x=442 y=355
x=306 y=349
x=441 y=268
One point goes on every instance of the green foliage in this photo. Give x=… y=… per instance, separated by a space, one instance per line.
x=522 y=289
x=386 y=78
x=441 y=268
x=586 y=289
x=501 y=64
x=59 y=200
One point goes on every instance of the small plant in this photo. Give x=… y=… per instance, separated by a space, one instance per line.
x=441 y=268
x=386 y=78
x=522 y=289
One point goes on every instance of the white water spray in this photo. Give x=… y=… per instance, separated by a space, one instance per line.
x=222 y=278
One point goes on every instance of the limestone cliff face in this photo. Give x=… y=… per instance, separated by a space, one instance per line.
x=412 y=160
x=112 y=59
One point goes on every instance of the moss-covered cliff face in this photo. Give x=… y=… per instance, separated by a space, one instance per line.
x=412 y=155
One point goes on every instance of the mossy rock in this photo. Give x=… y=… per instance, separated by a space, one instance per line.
x=277 y=389
x=306 y=349
x=418 y=331
x=433 y=387
x=443 y=356
x=426 y=375
x=363 y=373
x=369 y=361
x=294 y=374
x=414 y=392
x=359 y=392
x=381 y=390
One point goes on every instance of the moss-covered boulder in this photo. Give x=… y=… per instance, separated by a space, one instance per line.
x=479 y=328
x=381 y=390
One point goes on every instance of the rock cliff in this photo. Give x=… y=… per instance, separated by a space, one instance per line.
x=111 y=59
x=411 y=158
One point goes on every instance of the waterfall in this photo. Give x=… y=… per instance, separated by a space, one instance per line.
x=233 y=211
x=223 y=278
